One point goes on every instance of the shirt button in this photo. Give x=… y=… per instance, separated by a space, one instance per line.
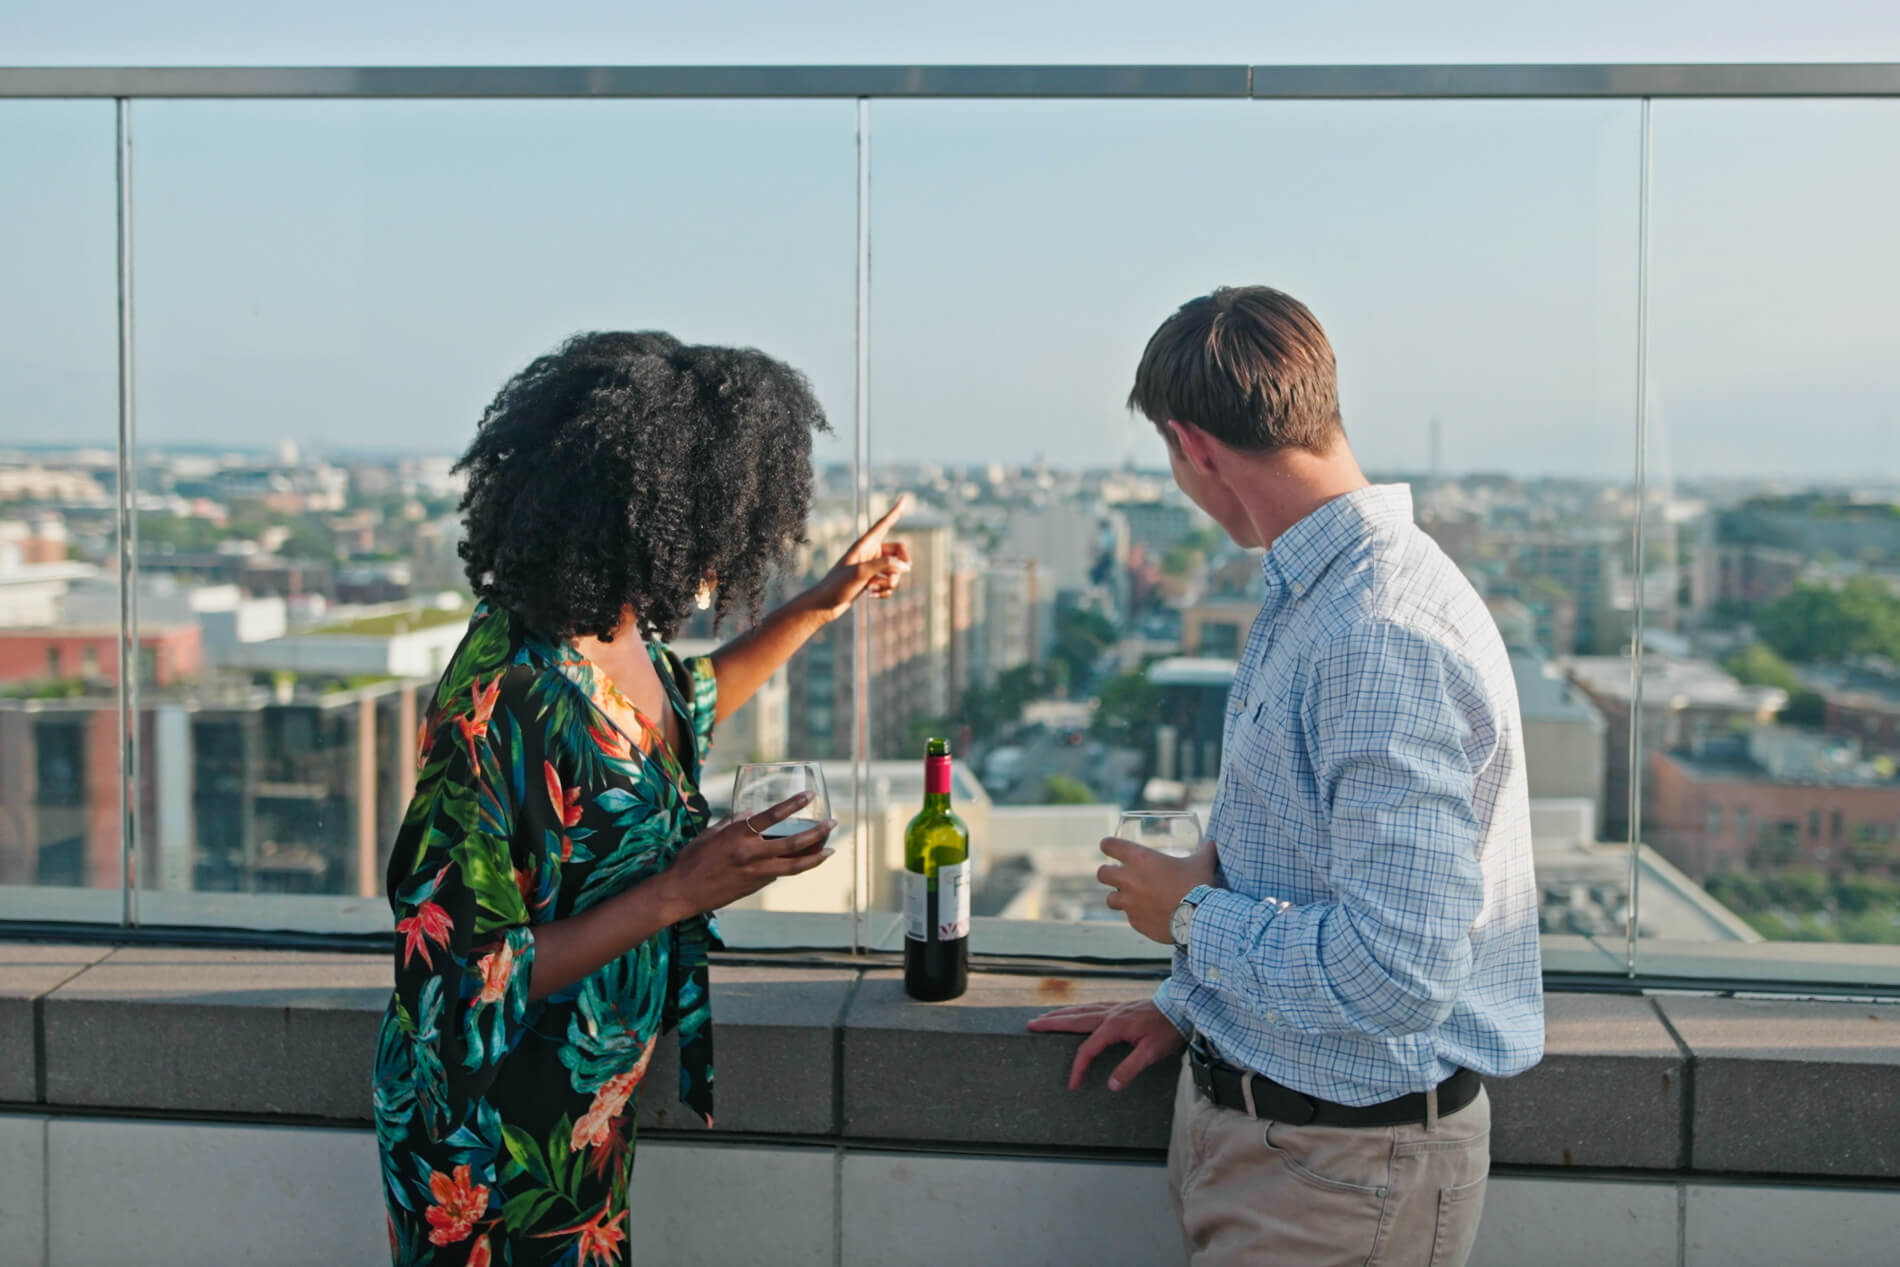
x=1299 y=588
x=1273 y=1018
x=1213 y=974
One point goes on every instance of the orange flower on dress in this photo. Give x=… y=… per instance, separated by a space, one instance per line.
x=600 y=1238
x=497 y=968
x=479 y=1254
x=429 y=926
x=425 y=740
x=611 y=742
x=595 y=1127
x=566 y=801
x=458 y=1203
x=474 y=727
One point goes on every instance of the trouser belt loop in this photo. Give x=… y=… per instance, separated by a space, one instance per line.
x=1246 y=1095
x=1431 y=1110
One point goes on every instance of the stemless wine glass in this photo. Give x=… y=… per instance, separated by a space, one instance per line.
x=1175 y=832
x=758 y=786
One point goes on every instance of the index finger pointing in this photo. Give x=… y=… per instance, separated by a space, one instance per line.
x=882 y=526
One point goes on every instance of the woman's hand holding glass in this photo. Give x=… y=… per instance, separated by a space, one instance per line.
x=737 y=858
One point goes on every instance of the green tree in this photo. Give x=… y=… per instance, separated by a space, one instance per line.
x=177 y=532
x=1812 y=928
x=1805 y=708
x=987 y=710
x=1875 y=927
x=1858 y=896
x=1082 y=636
x=1804 y=891
x=1125 y=713
x=1739 y=891
x=309 y=538
x=1061 y=789
x=1760 y=666
x=1180 y=561
x=1769 y=925
x=1205 y=539
x=1821 y=623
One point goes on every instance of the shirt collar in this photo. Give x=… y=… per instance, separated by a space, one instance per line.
x=1299 y=555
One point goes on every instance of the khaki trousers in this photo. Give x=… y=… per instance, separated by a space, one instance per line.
x=1267 y=1194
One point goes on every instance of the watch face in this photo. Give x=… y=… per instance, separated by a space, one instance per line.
x=1178 y=926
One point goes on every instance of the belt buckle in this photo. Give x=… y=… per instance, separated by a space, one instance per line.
x=1203 y=1074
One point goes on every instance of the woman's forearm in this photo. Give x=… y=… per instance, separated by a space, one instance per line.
x=567 y=950
x=746 y=663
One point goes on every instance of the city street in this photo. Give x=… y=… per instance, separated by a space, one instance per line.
x=1112 y=775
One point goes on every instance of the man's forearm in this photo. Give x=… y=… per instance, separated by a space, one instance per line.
x=1326 y=968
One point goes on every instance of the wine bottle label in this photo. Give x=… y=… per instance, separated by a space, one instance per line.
x=953 y=904
x=953 y=901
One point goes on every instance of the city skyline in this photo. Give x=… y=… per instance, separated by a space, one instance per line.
x=1074 y=632
x=1862 y=484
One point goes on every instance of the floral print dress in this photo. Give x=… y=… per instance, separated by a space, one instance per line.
x=506 y=1127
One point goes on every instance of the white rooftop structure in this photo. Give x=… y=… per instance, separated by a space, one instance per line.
x=1192 y=671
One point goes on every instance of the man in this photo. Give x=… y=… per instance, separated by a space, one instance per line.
x=1356 y=941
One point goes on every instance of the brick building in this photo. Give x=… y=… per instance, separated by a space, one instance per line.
x=1774 y=797
x=1686 y=703
x=167 y=655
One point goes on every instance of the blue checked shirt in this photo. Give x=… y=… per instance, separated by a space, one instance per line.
x=1375 y=923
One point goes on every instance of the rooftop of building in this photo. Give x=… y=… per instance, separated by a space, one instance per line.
x=1585 y=883
x=1671 y=682
x=1544 y=694
x=389 y=623
x=1856 y=686
x=1785 y=756
x=17 y=573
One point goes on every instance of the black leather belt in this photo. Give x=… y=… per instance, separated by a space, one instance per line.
x=1261 y=1097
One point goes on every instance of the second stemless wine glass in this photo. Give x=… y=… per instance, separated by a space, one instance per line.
x=1176 y=832
x=758 y=786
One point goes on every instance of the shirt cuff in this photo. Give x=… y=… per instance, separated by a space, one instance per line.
x=1222 y=931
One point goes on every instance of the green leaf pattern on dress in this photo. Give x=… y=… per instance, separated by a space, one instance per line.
x=506 y=1128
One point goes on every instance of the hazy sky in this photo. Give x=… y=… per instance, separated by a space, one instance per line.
x=358 y=274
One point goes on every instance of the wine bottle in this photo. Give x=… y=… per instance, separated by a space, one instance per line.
x=936 y=889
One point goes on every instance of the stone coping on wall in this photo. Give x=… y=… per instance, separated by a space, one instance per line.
x=1675 y=1083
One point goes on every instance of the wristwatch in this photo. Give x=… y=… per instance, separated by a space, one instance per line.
x=1183 y=919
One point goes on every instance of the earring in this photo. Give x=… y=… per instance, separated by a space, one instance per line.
x=703 y=600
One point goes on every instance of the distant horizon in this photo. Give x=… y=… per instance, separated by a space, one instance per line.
x=43 y=450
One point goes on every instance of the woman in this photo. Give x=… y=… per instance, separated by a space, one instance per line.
x=554 y=880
